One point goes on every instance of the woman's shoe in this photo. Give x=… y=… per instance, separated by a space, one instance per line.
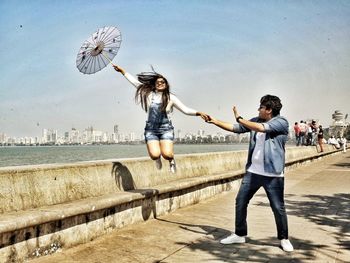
x=158 y=163
x=172 y=166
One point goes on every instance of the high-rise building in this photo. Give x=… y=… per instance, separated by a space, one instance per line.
x=116 y=129
x=87 y=136
x=2 y=137
x=201 y=133
x=44 y=136
x=97 y=136
x=115 y=135
x=179 y=134
x=73 y=136
x=132 y=136
x=54 y=136
x=104 y=137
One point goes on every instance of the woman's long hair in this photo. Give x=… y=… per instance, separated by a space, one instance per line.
x=148 y=80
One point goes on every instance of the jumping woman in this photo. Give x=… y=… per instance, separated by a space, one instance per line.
x=153 y=92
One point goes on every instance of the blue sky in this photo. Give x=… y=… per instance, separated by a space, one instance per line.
x=215 y=54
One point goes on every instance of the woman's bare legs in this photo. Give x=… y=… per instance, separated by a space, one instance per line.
x=153 y=148
x=167 y=151
x=164 y=148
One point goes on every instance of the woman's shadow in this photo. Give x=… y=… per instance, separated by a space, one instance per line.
x=125 y=182
x=123 y=177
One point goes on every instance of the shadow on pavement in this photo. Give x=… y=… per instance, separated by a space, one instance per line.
x=331 y=211
x=346 y=165
x=205 y=229
x=328 y=211
x=262 y=250
x=253 y=250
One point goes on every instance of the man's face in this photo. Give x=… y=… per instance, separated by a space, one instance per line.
x=264 y=113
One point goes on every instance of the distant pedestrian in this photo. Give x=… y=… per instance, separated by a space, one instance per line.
x=153 y=92
x=313 y=132
x=320 y=137
x=333 y=141
x=303 y=131
x=343 y=143
x=264 y=168
x=309 y=134
x=297 y=133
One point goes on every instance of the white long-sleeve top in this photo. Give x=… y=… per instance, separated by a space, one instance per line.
x=157 y=98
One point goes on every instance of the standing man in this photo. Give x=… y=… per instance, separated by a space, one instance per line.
x=343 y=143
x=303 y=131
x=320 y=137
x=297 y=133
x=264 y=168
x=313 y=132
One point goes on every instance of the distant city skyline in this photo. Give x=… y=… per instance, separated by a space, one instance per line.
x=137 y=135
x=338 y=119
x=215 y=54
x=92 y=135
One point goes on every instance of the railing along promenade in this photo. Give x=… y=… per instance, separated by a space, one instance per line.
x=46 y=207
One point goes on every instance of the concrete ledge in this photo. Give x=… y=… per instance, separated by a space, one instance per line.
x=85 y=200
x=30 y=187
x=27 y=218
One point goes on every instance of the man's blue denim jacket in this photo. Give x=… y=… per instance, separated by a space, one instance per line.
x=276 y=131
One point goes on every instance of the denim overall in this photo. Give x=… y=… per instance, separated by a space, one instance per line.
x=158 y=126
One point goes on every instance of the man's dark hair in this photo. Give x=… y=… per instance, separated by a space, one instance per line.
x=273 y=103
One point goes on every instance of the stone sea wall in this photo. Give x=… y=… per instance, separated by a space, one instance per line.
x=47 y=207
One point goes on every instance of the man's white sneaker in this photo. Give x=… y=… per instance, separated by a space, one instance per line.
x=286 y=245
x=233 y=238
x=158 y=163
x=172 y=166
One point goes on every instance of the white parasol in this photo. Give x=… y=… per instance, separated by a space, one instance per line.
x=99 y=50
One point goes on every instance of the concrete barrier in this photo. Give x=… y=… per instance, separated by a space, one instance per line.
x=46 y=207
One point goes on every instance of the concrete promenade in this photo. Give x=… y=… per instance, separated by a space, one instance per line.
x=318 y=206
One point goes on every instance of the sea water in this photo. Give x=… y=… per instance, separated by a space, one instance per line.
x=26 y=155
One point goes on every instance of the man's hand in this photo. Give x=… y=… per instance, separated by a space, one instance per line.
x=221 y=124
x=235 y=111
x=203 y=115
x=211 y=120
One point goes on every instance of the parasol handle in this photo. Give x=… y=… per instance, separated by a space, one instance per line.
x=110 y=61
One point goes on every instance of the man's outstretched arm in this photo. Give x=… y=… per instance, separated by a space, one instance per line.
x=254 y=126
x=221 y=124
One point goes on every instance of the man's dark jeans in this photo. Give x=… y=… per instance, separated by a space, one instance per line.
x=274 y=188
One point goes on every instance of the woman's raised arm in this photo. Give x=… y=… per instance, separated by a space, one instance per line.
x=128 y=76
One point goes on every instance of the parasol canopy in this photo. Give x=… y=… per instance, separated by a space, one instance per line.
x=99 y=50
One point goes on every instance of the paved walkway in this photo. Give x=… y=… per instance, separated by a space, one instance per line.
x=318 y=206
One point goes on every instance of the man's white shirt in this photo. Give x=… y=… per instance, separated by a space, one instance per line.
x=257 y=166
